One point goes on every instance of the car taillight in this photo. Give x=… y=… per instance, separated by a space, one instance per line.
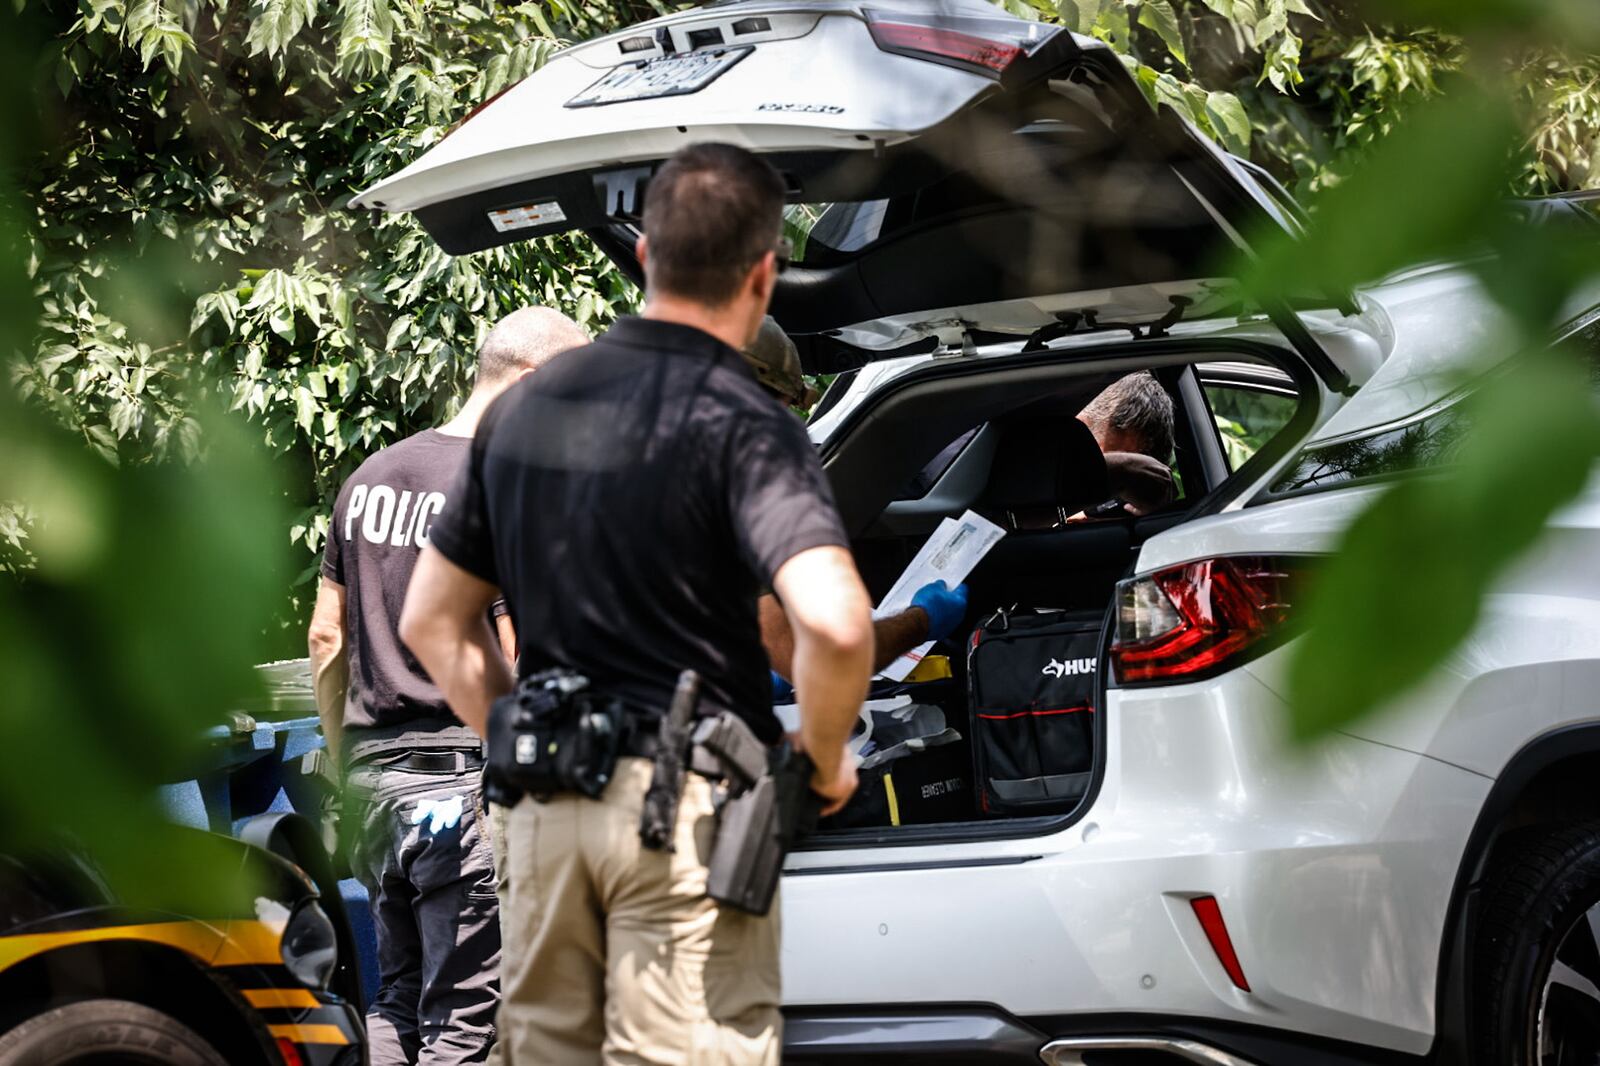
x=1198 y=619
x=984 y=45
x=472 y=114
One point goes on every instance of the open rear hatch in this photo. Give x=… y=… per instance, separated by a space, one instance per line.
x=965 y=174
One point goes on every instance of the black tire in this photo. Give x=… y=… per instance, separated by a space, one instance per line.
x=105 y=1031
x=1537 y=965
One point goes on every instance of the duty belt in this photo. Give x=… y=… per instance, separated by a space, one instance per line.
x=436 y=762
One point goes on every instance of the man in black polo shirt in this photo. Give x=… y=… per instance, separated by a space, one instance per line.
x=415 y=839
x=632 y=500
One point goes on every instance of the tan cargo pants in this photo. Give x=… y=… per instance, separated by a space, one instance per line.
x=614 y=955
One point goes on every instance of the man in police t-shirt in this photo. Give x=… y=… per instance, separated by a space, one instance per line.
x=412 y=767
x=631 y=501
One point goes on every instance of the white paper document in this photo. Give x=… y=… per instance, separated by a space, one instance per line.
x=949 y=556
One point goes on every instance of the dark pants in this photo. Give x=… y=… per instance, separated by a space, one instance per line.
x=425 y=859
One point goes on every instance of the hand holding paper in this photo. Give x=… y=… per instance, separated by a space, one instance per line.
x=949 y=556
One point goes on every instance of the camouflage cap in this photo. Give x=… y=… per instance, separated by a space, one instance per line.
x=776 y=361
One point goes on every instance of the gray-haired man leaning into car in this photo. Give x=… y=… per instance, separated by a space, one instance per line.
x=1131 y=420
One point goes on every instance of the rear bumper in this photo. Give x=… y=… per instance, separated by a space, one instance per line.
x=1333 y=869
x=987 y=1036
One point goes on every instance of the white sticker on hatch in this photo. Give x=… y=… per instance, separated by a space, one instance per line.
x=527 y=216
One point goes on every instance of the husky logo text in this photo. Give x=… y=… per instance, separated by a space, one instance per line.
x=1063 y=667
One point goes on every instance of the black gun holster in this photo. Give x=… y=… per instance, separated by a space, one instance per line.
x=551 y=735
x=756 y=828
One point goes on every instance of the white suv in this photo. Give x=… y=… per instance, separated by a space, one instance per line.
x=996 y=226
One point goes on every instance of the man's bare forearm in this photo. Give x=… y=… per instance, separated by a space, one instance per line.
x=330 y=666
x=897 y=635
x=893 y=636
x=445 y=624
x=471 y=671
x=330 y=680
x=831 y=684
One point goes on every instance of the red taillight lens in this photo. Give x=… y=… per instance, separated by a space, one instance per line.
x=290 y=1052
x=1198 y=619
x=470 y=115
x=986 y=45
x=1216 y=930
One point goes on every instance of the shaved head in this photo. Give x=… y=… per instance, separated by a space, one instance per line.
x=526 y=339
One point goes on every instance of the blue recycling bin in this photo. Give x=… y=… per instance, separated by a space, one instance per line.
x=252 y=767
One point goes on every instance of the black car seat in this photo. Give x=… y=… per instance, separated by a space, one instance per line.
x=1045 y=470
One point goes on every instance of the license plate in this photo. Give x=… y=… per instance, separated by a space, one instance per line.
x=666 y=76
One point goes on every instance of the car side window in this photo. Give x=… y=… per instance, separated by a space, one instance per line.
x=1247 y=417
x=1430 y=440
x=1427 y=440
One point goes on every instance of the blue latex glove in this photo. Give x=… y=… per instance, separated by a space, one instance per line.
x=944 y=606
x=782 y=691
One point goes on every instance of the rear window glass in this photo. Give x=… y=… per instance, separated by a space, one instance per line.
x=820 y=230
x=1247 y=418
x=1430 y=441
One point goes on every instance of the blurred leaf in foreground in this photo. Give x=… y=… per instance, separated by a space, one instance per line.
x=130 y=638
x=135 y=628
x=1430 y=189
x=1408 y=582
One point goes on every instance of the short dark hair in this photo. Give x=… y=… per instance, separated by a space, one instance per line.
x=1137 y=405
x=710 y=213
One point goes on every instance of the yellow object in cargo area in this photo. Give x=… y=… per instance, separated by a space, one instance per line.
x=931 y=668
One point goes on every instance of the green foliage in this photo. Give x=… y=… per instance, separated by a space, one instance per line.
x=1248 y=419
x=190 y=226
x=131 y=599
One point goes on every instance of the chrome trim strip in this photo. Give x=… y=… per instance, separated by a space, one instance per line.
x=1070 y=1051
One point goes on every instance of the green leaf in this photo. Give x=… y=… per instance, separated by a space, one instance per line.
x=1169 y=91
x=366 y=28
x=397 y=330
x=1158 y=15
x=1274 y=22
x=305 y=407
x=1375 y=221
x=1112 y=24
x=1231 y=122
x=275 y=23
x=154 y=29
x=1282 y=64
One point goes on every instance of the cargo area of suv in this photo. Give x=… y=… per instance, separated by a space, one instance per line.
x=997 y=732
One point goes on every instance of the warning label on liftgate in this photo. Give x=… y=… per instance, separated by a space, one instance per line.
x=527 y=216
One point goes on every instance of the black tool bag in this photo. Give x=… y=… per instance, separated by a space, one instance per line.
x=1033 y=679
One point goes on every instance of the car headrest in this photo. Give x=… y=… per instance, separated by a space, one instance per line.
x=1046 y=462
